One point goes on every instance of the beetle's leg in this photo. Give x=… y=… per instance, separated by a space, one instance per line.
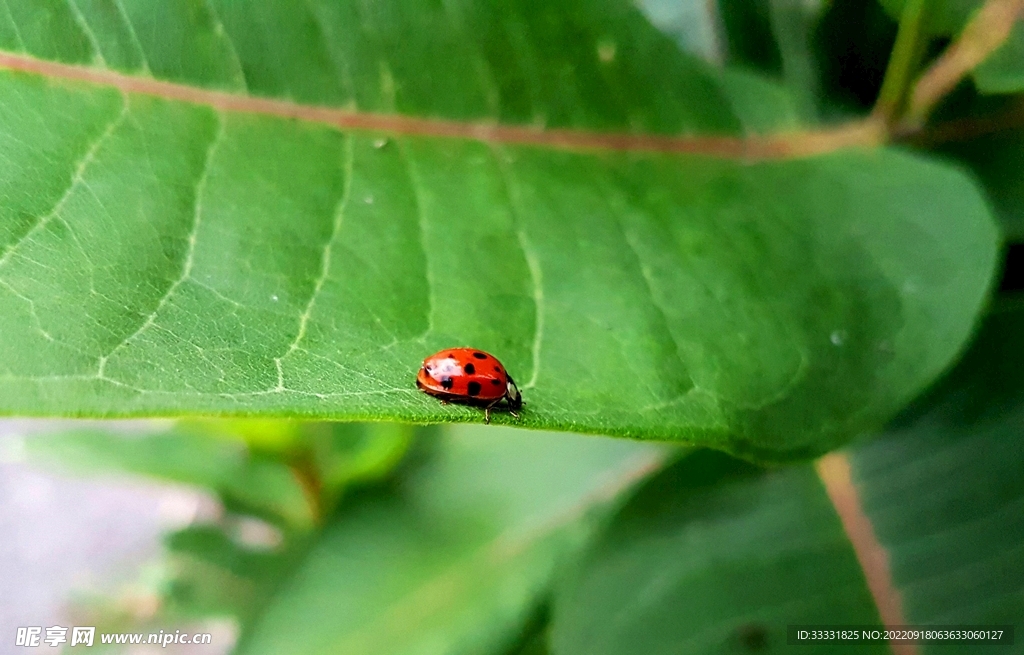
x=487 y=410
x=508 y=401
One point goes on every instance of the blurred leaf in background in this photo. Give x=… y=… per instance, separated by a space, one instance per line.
x=713 y=555
x=457 y=550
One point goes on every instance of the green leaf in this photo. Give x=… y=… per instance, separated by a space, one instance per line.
x=997 y=161
x=763 y=106
x=213 y=575
x=536 y=644
x=454 y=559
x=945 y=17
x=365 y=454
x=945 y=491
x=714 y=556
x=693 y=25
x=160 y=256
x=533 y=638
x=1003 y=70
x=853 y=46
x=338 y=454
x=250 y=483
x=793 y=22
x=747 y=32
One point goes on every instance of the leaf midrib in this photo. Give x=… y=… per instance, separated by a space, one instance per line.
x=869 y=132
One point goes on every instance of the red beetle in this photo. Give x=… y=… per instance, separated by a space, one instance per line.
x=470 y=377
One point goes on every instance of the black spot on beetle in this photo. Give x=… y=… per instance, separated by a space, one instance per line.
x=446 y=383
x=469 y=368
x=496 y=383
x=450 y=356
x=498 y=369
x=480 y=355
x=473 y=389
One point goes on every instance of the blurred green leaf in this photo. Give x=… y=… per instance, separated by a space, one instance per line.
x=852 y=42
x=749 y=40
x=713 y=552
x=709 y=555
x=454 y=559
x=536 y=645
x=215 y=575
x=998 y=161
x=249 y=483
x=945 y=17
x=360 y=452
x=692 y=24
x=284 y=470
x=773 y=37
x=274 y=437
x=333 y=454
x=211 y=544
x=1003 y=70
x=533 y=638
x=762 y=105
x=793 y=22
x=162 y=257
x=945 y=490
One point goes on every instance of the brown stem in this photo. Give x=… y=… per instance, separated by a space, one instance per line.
x=964 y=129
x=835 y=473
x=988 y=30
x=312 y=487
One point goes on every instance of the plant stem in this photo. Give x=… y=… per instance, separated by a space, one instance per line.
x=903 y=62
x=989 y=28
x=309 y=479
x=964 y=129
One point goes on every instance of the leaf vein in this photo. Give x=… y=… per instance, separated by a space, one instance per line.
x=221 y=32
x=421 y=215
x=529 y=254
x=645 y=275
x=340 y=68
x=325 y=262
x=485 y=74
x=186 y=267
x=133 y=34
x=77 y=178
x=14 y=24
x=83 y=24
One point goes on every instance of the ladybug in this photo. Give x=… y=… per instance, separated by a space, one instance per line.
x=470 y=377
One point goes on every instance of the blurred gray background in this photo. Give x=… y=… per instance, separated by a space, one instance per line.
x=66 y=538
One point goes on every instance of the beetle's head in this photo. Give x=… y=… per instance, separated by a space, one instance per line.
x=512 y=395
